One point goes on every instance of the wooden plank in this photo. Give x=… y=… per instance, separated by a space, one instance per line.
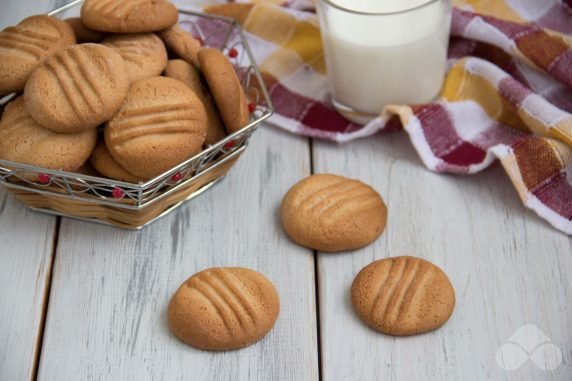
x=25 y=258
x=508 y=267
x=25 y=265
x=110 y=289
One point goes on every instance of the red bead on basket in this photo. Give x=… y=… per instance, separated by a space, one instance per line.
x=251 y=107
x=229 y=145
x=44 y=178
x=117 y=193
x=177 y=177
x=232 y=53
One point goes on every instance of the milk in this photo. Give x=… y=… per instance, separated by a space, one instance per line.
x=376 y=60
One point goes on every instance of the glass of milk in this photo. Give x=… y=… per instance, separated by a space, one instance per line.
x=381 y=52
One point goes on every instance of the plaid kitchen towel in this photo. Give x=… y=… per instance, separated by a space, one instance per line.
x=507 y=94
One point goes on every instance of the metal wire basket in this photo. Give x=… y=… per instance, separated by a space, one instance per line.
x=133 y=206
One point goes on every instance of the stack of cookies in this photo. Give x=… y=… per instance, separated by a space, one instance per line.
x=123 y=88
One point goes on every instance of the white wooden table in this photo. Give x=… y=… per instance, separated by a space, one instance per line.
x=80 y=301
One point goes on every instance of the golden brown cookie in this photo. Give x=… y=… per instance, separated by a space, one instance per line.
x=333 y=213
x=83 y=33
x=223 y=308
x=403 y=296
x=183 y=71
x=226 y=89
x=129 y=16
x=24 y=46
x=144 y=54
x=77 y=88
x=161 y=124
x=105 y=164
x=182 y=43
x=186 y=73
x=23 y=140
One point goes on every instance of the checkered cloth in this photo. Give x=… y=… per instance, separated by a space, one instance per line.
x=507 y=94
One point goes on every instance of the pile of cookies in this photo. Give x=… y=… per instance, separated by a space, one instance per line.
x=124 y=88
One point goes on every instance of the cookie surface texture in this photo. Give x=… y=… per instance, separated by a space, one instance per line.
x=403 y=296
x=186 y=73
x=223 y=308
x=182 y=43
x=225 y=87
x=129 y=16
x=161 y=124
x=23 y=140
x=333 y=213
x=24 y=46
x=105 y=164
x=77 y=88
x=144 y=54
x=82 y=33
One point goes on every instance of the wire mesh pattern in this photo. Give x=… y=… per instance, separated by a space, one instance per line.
x=213 y=31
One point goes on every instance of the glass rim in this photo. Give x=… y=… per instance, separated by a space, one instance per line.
x=364 y=13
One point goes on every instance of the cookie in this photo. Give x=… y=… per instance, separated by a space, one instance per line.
x=105 y=164
x=183 y=71
x=223 y=308
x=83 y=33
x=23 y=140
x=144 y=54
x=403 y=296
x=24 y=46
x=226 y=89
x=182 y=43
x=77 y=88
x=128 y=16
x=332 y=213
x=186 y=73
x=161 y=124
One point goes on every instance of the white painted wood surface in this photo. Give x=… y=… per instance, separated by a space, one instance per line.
x=26 y=243
x=106 y=316
x=26 y=254
x=508 y=268
x=110 y=288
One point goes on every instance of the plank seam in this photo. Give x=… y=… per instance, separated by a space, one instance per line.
x=46 y=302
x=316 y=282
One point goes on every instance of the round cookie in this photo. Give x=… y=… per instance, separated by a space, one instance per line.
x=24 y=46
x=403 y=296
x=83 y=33
x=333 y=213
x=77 y=88
x=182 y=43
x=183 y=71
x=223 y=308
x=161 y=124
x=226 y=89
x=129 y=16
x=186 y=73
x=144 y=54
x=23 y=140
x=105 y=164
